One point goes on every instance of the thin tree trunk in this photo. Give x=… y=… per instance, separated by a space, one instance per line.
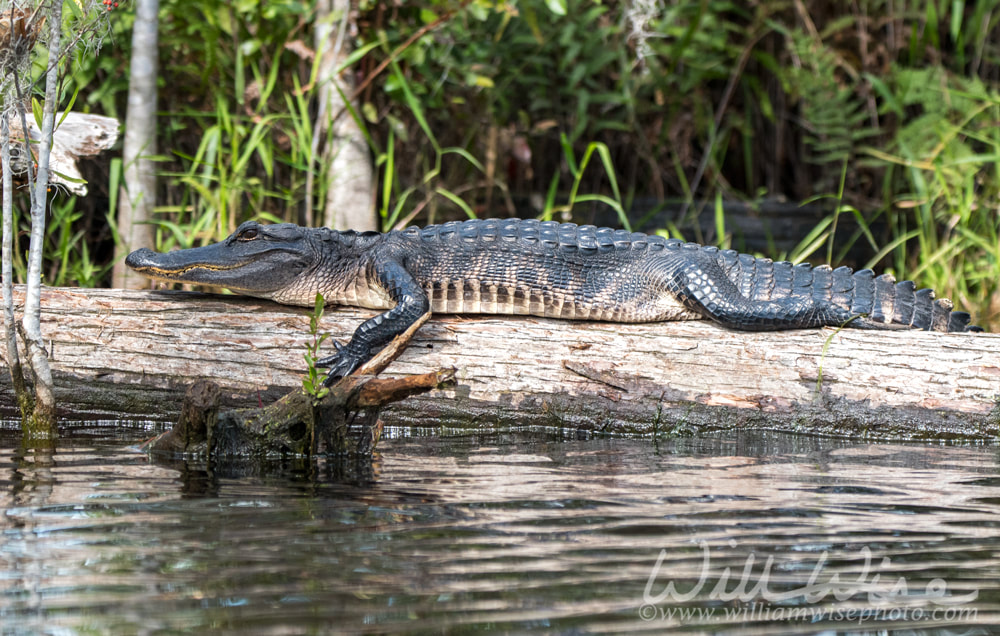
x=350 y=176
x=21 y=394
x=138 y=195
x=43 y=416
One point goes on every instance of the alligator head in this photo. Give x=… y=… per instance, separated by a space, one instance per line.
x=256 y=260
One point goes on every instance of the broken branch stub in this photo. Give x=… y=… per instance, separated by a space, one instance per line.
x=298 y=423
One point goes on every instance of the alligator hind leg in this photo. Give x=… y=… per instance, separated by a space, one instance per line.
x=700 y=283
x=375 y=333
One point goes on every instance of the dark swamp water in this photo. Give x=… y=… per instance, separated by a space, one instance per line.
x=516 y=532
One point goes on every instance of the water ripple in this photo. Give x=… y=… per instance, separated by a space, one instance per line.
x=514 y=532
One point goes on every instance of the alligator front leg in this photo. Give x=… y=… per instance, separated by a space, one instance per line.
x=375 y=333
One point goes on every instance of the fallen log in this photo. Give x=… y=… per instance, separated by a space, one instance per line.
x=131 y=354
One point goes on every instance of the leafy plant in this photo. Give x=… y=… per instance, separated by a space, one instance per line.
x=835 y=116
x=312 y=384
x=578 y=170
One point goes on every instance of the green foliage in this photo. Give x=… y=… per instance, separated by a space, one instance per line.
x=236 y=129
x=578 y=170
x=253 y=147
x=396 y=196
x=236 y=134
x=834 y=110
x=501 y=77
x=68 y=257
x=946 y=186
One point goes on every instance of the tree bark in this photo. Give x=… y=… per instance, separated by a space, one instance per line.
x=20 y=390
x=138 y=194
x=131 y=354
x=350 y=185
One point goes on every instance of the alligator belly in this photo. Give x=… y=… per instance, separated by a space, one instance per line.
x=356 y=294
x=476 y=297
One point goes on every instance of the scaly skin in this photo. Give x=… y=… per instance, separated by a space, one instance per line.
x=541 y=269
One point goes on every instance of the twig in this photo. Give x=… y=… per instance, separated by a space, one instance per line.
x=381 y=391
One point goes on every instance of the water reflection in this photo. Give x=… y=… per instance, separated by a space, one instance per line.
x=514 y=531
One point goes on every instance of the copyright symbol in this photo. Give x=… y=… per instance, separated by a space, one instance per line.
x=647 y=612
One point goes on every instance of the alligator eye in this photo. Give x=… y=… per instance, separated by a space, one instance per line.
x=248 y=234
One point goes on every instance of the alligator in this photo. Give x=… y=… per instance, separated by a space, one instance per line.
x=547 y=269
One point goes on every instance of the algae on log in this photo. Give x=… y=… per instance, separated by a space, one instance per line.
x=131 y=354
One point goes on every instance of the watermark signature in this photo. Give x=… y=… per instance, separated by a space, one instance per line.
x=889 y=596
x=759 y=612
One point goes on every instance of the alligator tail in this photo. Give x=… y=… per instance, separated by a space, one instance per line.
x=880 y=300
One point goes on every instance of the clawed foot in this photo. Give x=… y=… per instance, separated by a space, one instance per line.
x=341 y=364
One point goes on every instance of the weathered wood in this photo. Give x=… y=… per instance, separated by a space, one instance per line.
x=120 y=353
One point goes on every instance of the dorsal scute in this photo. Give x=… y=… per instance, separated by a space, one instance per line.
x=566 y=237
x=784 y=273
x=565 y=234
x=548 y=234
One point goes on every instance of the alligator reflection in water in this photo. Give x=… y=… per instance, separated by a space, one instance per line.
x=509 y=532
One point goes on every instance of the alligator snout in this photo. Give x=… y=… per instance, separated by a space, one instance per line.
x=140 y=258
